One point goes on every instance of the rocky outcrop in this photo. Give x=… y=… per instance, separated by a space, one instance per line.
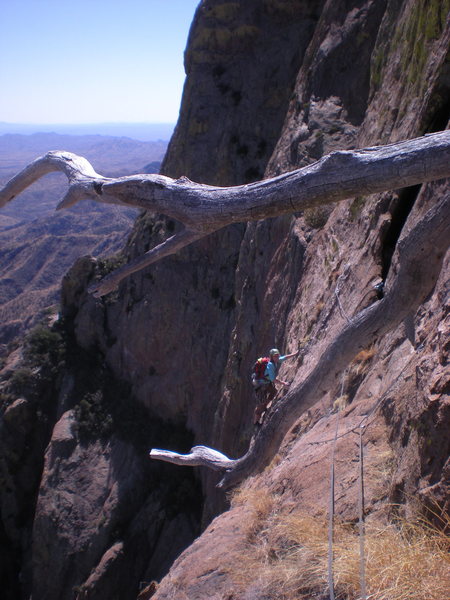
x=241 y=59
x=299 y=280
x=178 y=340
x=107 y=514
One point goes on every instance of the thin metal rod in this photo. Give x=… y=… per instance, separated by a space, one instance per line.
x=362 y=533
x=331 y=516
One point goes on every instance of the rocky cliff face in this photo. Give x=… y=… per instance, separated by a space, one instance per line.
x=165 y=361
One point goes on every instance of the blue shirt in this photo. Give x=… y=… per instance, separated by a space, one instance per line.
x=272 y=369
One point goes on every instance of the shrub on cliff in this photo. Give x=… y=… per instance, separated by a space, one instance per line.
x=44 y=347
x=93 y=418
x=43 y=357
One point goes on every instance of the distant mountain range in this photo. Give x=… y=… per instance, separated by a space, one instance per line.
x=37 y=245
x=147 y=132
x=110 y=156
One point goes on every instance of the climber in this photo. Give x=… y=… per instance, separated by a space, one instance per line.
x=264 y=377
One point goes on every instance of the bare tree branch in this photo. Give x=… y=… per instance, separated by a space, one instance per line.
x=204 y=209
x=198 y=456
x=79 y=171
x=169 y=246
x=420 y=257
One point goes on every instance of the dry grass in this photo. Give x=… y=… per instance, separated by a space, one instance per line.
x=361 y=362
x=382 y=464
x=364 y=355
x=379 y=468
x=287 y=557
x=340 y=403
x=259 y=503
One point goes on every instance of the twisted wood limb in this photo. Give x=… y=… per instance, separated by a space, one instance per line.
x=204 y=209
x=420 y=256
x=198 y=456
x=78 y=170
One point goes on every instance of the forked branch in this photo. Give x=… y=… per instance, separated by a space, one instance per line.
x=204 y=209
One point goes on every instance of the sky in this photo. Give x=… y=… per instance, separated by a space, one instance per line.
x=93 y=61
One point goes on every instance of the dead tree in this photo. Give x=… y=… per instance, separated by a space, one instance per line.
x=204 y=209
x=420 y=257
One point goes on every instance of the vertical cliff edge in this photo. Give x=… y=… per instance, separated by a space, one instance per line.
x=165 y=361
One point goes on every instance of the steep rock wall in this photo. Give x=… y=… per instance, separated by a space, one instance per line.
x=179 y=339
x=241 y=59
x=299 y=280
x=169 y=348
x=290 y=269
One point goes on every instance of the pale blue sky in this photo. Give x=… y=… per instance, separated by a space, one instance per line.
x=92 y=61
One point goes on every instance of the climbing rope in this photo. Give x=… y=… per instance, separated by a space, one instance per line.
x=331 y=514
x=337 y=291
x=367 y=416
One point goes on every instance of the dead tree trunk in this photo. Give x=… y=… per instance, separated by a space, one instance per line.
x=420 y=256
x=204 y=209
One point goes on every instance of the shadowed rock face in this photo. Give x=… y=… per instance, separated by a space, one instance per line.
x=299 y=280
x=242 y=59
x=179 y=340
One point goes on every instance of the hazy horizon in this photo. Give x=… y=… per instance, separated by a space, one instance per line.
x=142 y=131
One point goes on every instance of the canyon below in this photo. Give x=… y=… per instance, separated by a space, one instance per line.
x=164 y=361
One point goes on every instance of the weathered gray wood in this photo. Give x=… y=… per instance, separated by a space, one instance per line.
x=169 y=246
x=420 y=257
x=204 y=209
x=198 y=456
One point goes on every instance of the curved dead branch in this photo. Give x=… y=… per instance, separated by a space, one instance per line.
x=78 y=170
x=420 y=257
x=204 y=209
x=199 y=456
